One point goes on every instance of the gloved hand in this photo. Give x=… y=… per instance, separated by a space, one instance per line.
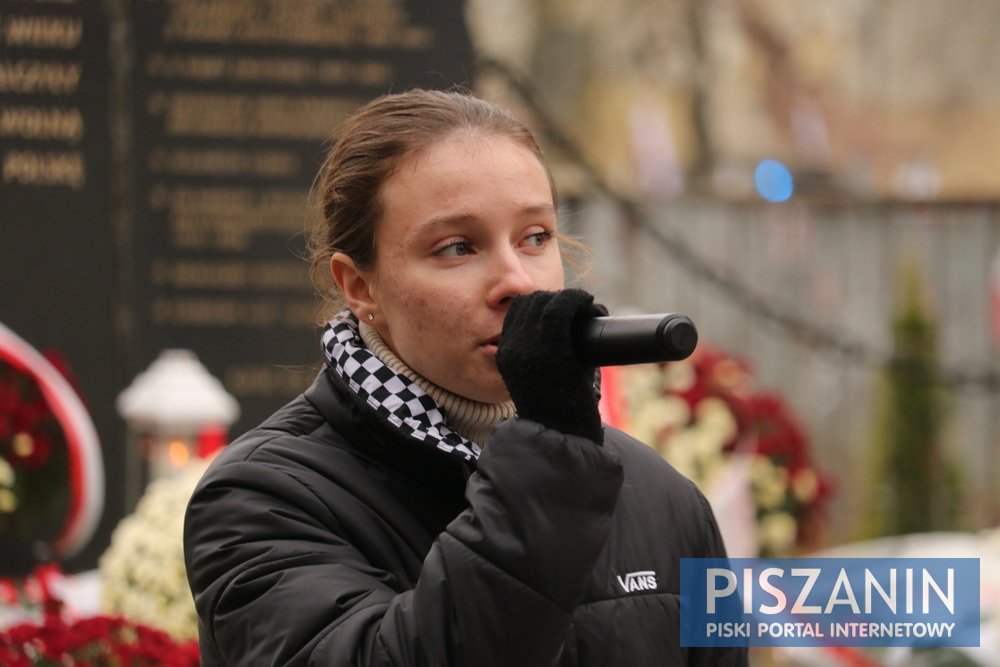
x=536 y=360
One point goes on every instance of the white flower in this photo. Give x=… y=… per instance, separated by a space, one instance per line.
x=657 y=415
x=770 y=483
x=143 y=570
x=643 y=384
x=776 y=532
x=681 y=452
x=8 y=501
x=707 y=444
x=6 y=473
x=679 y=377
x=713 y=414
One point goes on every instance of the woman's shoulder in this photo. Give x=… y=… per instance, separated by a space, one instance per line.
x=294 y=425
x=655 y=493
x=641 y=459
x=298 y=440
x=652 y=478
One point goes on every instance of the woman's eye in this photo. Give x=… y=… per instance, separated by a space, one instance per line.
x=539 y=239
x=454 y=249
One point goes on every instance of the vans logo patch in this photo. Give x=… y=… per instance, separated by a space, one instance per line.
x=638 y=581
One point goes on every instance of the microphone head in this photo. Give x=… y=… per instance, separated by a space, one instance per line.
x=677 y=336
x=634 y=339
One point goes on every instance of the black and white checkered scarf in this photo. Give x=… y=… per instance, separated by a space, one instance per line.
x=394 y=397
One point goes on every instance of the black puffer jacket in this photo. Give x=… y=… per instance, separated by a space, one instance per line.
x=324 y=537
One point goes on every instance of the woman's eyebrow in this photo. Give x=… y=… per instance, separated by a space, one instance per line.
x=447 y=220
x=534 y=209
x=435 y=224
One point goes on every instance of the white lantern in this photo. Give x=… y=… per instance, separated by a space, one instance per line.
x=172 y=406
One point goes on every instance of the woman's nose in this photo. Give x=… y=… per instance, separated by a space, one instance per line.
x=512 y=278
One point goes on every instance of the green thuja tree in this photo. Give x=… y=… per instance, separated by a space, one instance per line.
x=914 y=487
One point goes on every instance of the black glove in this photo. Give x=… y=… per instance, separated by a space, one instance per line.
x=535 y=357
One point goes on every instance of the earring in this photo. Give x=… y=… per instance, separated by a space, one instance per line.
x=371 y=317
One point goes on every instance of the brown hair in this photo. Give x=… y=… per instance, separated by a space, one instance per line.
x=365 y=151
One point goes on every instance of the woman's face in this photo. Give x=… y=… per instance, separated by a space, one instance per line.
x=468 y=224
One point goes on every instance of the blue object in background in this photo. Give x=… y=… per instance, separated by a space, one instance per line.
x=774 y=181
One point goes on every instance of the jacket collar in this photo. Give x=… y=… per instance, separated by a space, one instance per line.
x=394 y=396
x=375 y=438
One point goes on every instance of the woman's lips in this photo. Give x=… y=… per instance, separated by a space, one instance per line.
x=490 y=345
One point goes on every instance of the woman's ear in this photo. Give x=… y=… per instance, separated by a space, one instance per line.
x=354 y=284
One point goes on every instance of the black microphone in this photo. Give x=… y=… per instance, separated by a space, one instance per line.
x=634 y=339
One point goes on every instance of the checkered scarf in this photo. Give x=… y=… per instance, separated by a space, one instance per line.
x=394 y=397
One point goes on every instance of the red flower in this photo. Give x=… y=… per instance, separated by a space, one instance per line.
x=10 y=399
x=97 y=640
x=763 y=422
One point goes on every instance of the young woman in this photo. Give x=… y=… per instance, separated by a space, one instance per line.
x=444 y=493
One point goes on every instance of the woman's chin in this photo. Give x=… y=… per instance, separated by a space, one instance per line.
x=490 y=393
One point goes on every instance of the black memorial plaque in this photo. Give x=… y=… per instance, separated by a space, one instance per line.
x=234 y=100
x=57 y=239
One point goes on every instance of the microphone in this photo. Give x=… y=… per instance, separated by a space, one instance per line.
x=634 y=339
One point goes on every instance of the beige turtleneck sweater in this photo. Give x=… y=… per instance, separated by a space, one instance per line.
x=468 y=418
